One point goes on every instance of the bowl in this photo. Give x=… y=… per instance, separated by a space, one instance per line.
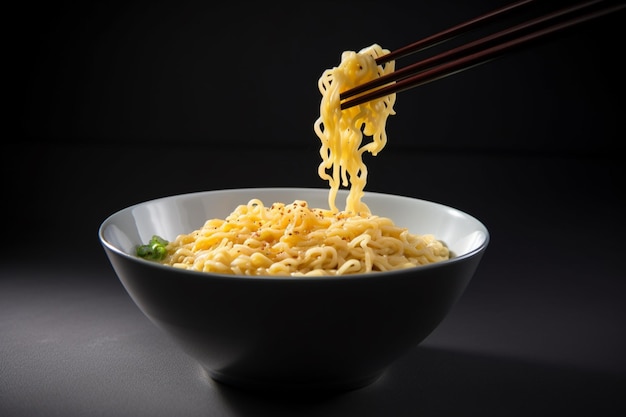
x=293 y=333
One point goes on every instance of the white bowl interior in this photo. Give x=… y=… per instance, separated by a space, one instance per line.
x=171 y=216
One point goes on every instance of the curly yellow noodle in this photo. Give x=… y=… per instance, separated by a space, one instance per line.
x=341 y=131
x=297 y=240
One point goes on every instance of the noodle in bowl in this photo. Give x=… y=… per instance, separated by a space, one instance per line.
x=293 y=332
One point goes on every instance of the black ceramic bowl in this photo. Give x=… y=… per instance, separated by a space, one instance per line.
x=302 y=333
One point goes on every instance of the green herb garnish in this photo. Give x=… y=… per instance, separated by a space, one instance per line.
x=155 y=249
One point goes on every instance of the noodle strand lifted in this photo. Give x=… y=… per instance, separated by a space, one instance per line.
x=341 y=131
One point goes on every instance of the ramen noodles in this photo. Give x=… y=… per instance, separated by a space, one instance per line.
x=293 y=239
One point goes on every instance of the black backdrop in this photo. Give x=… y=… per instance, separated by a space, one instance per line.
x=233 y=73
x=116 y=98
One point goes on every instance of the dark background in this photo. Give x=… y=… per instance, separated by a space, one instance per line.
x=118 y=102
x=114 y=103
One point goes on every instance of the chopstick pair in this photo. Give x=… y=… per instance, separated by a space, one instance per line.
x=472 y=53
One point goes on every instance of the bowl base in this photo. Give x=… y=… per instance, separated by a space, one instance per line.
x=268 y=385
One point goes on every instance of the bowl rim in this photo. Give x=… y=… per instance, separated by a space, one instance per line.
x=212 y=275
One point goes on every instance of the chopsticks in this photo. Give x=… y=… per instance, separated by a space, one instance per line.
x=472 y=53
